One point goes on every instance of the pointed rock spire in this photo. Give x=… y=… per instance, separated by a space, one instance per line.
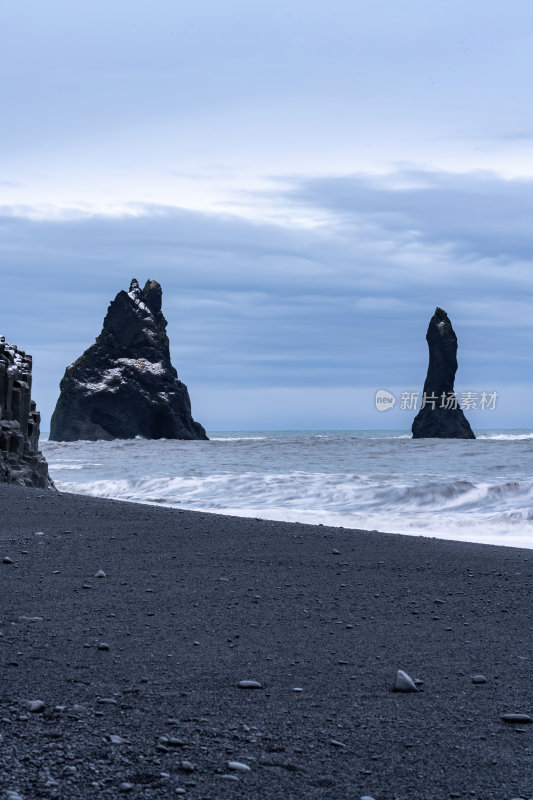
x=440 y=417
x=124 y=385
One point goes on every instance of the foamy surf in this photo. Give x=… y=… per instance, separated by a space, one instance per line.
x=480 y=491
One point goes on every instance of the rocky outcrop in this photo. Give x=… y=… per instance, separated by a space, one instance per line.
x=440 y=415
x=124 y=385
x=20 y=459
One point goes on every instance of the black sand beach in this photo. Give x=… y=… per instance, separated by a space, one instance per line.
x=193 y=603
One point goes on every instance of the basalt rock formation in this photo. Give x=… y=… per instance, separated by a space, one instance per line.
x=124 y=385
x=20 y=459
x=441 y=417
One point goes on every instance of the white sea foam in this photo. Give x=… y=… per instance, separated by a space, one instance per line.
x=237 y=438
x=472 y=490
x=64 y=466
x=505 y=436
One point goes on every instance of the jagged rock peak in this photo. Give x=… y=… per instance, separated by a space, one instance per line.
x=124 y=385
x=21 y=461
x=441 y=418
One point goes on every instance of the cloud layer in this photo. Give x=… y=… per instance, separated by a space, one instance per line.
x=337 y=309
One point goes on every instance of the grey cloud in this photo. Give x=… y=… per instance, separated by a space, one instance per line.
x=476 y=215
x=259 y=305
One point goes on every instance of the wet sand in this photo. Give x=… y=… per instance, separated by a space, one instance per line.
x=138 y=671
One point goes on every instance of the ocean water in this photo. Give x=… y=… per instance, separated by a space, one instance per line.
x=474 y=490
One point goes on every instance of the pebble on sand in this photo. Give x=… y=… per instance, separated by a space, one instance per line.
x=125 y=787
x=102 y=646
x=403 y=683
x=100 y=574
x=238 y=765
x=523 y=719
x=250 y=685
x=479 y=679
x=7 y=560
x=36 y=706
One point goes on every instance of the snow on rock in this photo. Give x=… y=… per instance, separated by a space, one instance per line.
x=124 y=385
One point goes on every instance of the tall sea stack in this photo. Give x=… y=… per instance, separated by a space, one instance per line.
x=21 y=461
x=441 y=418
x=124 y=385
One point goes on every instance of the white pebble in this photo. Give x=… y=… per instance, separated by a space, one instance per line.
x=250 y=685
x=36 y=706
x=239 y=766
x=403 y=683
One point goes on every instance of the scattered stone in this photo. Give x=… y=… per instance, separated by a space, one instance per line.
x=102 y=646
x=35 y=706
x=115 y=739
x=125 y=786
x=523 y=719
x=187 y=766
x=226 y=777
x=100 y=574
x=30 y=619
x=107 y=700
x=336 y=743
x=336 y=552
x=238 y=765
x=7 y=560
x=249 y=685
x=479 y=679
x=297 y=689
x=403 y=683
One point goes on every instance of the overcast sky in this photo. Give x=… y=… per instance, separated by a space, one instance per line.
x=307 y=181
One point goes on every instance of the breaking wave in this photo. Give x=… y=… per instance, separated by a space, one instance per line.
x=475 y=490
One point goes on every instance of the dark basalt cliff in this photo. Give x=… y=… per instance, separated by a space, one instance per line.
x=124 y=385
x=20 y=459
x=440 y=421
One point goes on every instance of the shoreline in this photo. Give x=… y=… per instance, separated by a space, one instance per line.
x=193 y=602
x=233 y=514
